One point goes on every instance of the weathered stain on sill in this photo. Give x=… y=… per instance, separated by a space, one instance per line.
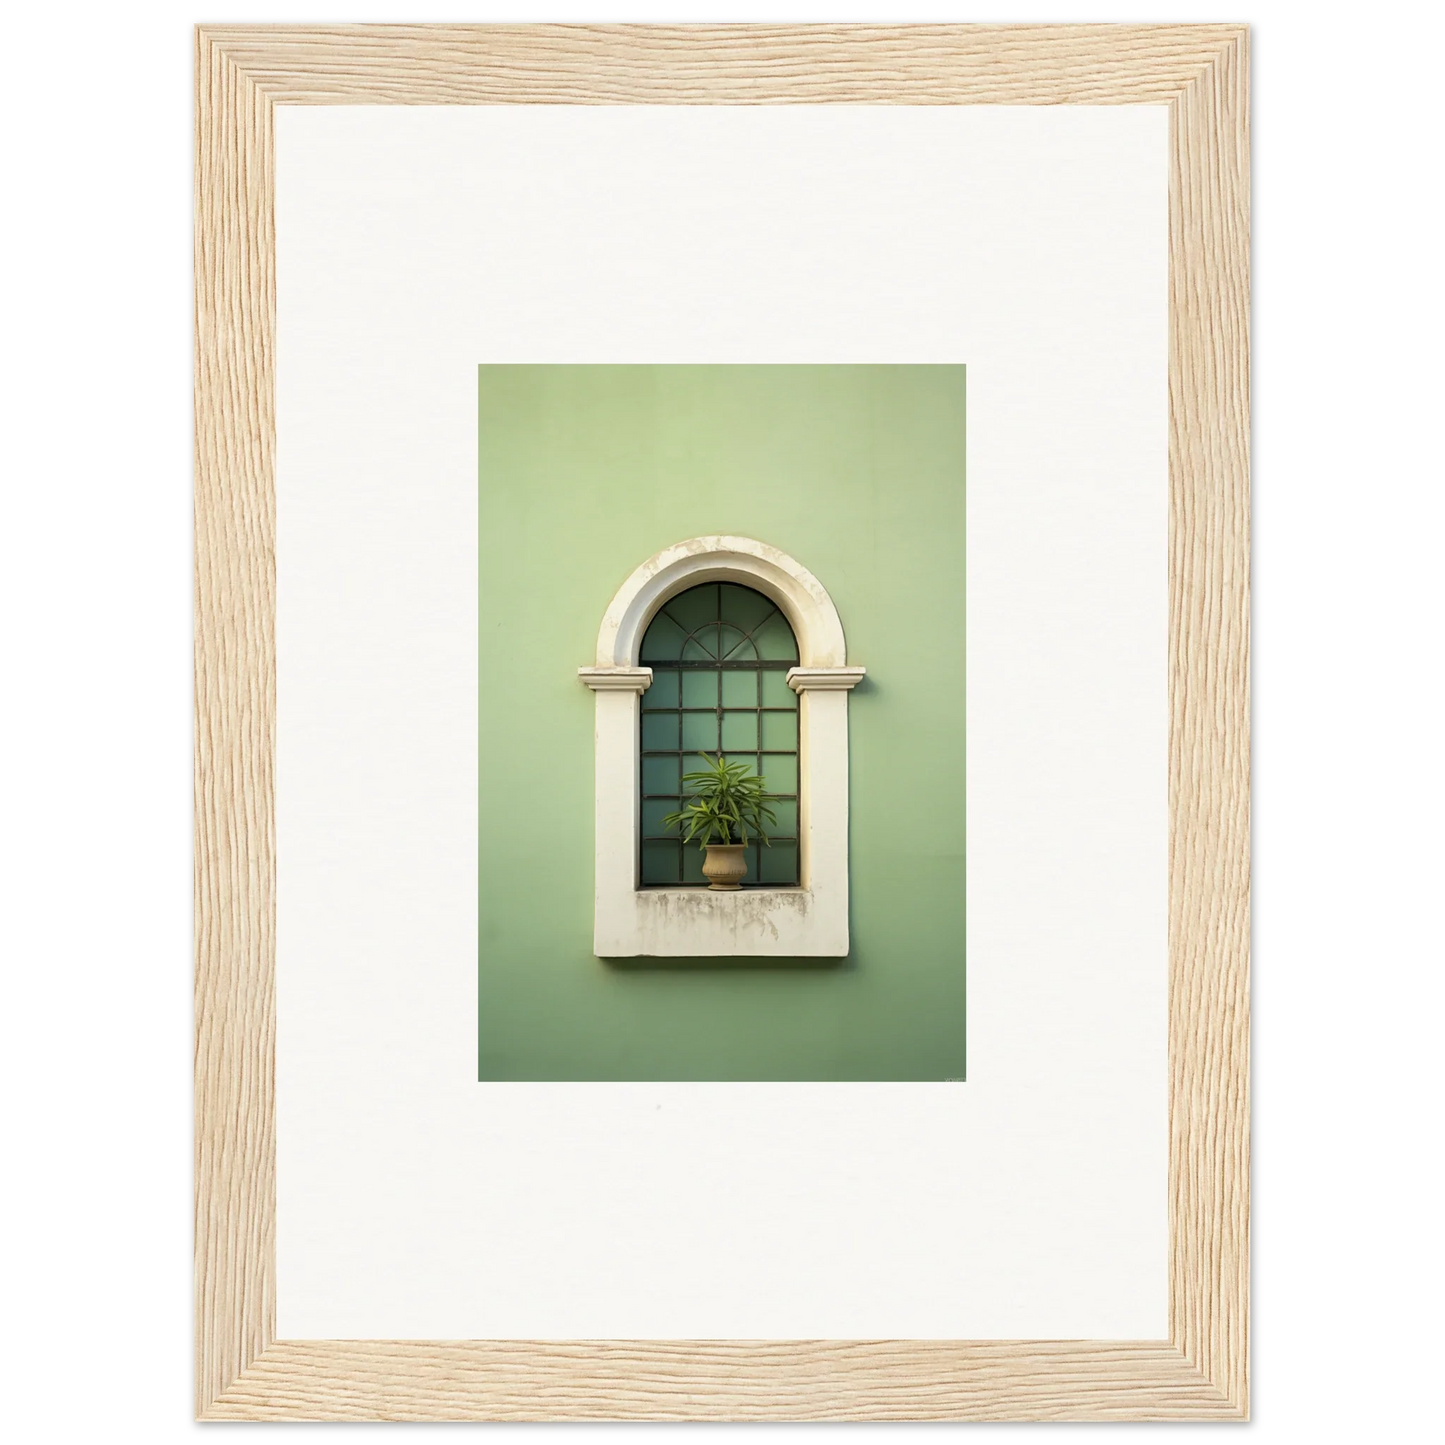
x=747 y=910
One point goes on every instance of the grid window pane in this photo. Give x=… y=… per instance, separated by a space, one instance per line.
x=740 y=730
x=786 y=815
x=659 y=777
x=779 y=864
x=654 y=810
x=776 y=692
x=660 y=863
x=694 y=763
x=724 y=651
x=781 y=772
x=699 y=730
x=780 y=731
x=659 y=732
x=699 y=689
x=740 y=689
x=663 y=692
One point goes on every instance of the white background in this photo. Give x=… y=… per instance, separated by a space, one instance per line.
x=1030 y=243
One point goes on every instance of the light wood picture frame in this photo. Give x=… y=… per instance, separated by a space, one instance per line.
x=1201 y=1371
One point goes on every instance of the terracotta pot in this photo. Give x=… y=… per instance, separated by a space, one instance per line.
x=725 y=866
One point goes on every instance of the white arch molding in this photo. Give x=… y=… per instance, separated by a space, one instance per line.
x=810 y=921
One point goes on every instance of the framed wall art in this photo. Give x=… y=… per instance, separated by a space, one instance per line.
x=722 y=722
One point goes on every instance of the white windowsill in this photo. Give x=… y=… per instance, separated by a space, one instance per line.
x=701 y=923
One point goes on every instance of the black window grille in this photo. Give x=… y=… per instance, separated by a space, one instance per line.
x=719 y=655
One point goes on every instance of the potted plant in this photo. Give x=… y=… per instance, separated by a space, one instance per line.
x=726 y=804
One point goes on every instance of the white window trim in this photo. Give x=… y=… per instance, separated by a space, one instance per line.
x=810 y=921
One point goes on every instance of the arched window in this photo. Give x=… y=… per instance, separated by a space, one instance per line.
x=721 y=642
x=720 y=655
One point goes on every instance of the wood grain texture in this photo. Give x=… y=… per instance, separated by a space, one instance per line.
x=1201 y=1372
x=235 y=617
x=724 y=64
x=1209 y=721
x=721 y=1380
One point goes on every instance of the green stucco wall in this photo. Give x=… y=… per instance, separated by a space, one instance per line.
x=858 y=472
